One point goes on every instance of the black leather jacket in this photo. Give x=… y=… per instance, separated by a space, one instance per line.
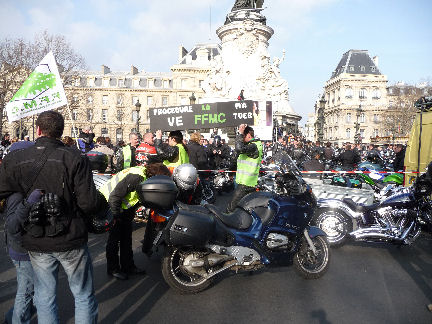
x=66 y=173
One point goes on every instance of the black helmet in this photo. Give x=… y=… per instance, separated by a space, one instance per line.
x=217 y=140
x=98 y=160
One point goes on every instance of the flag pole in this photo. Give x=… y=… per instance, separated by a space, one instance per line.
x=73 y=125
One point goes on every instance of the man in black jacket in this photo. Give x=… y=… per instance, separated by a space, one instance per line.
x=349 y=158
x=60 y=237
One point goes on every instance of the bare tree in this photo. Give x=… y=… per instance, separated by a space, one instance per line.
x=19 y=57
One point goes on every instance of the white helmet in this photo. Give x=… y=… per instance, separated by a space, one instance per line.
x=185 y=176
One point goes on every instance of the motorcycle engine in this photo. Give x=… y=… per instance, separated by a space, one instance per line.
x=277 y=241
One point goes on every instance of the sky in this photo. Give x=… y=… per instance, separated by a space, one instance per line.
x=314 y=33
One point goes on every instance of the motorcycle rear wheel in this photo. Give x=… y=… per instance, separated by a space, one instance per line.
x=335 y=224
x=177 y=277
x=309 y=265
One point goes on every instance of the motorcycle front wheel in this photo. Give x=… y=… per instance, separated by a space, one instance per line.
x=335 y=224
x=178 y=277
x=309 y=265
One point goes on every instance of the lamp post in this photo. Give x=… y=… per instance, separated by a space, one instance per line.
x=192 y=99
x=138 y=107
x=357 y=136
x=320 y=119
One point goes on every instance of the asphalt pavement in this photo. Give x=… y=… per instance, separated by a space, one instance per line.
x=365 y=283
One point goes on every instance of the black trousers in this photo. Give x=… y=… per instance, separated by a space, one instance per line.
x=120 y=237
x=238 y=194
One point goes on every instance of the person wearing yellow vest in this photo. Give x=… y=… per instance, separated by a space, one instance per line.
x=174 y=153
x=125 y=157
x=121 y=192
x=250 y=152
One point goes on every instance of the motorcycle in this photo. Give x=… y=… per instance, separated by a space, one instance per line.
x=208 y=189
x=395 y=219
x=201 y=242
x=222 y=180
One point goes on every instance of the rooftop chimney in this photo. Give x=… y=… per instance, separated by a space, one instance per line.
x=375 y=60
x=182 y=52
x=134 y=70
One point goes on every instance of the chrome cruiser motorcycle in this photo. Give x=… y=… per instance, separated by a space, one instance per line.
x=396 y=219
x=266 y=227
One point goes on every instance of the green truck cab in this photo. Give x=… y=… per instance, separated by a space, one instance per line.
x=419 y=147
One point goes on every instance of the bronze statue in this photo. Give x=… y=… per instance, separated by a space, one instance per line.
x=247 y=4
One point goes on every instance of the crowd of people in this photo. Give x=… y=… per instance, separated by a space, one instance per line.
x=48 y=197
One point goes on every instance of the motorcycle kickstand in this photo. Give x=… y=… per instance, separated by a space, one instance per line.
x=308 y=239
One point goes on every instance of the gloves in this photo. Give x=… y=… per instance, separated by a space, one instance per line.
x=52 y=205
x=35 y=196
x=37 y=214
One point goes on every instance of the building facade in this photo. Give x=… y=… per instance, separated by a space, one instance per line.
x=115 y=103
x=355 y=99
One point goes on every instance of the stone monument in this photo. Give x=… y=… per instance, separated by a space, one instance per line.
x=245 y=63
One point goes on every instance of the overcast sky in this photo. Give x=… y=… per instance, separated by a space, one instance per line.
x=314 y=33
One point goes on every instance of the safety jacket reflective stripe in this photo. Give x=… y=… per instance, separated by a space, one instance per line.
x=127 y=156
x=182 y=158
x=248 y=168
x=131 y=199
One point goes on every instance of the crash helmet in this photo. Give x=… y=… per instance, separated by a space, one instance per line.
x=185 y=176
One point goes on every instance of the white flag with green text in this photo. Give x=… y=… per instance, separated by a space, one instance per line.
x=43 y=90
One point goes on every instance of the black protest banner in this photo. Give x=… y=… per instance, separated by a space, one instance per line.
x=211 y=115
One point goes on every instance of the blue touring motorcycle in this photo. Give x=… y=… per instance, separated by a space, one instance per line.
x=266 y=228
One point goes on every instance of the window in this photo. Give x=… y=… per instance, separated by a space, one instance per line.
x=119 y=100
x=376 y=118
x=375 y=132
x=362 y=68
x=376 y=94
x=362 y=93
x=147 y=114
x=183 y=101
x=348 y=133
x=183 y=83
x=149 y=100
x=164 y=101
x=150 y=83
x=105 y=115
x=348 y=92
x=104 y=131
x=200 y=83
x=105 y=83
x=362 y=118
x=362 y=133
x=119 y=134
x=92 y=82
x=351 y=67
x=121 y=83
x=119 y=115
x=105 y=100
x=77 y=82
x=134 y=115
x=90 y=100
x=136 y=83
x=74 y=114
x=166 y=83
x=89 y=114
x=134 y=100
x=373 y=69
x=348 y=117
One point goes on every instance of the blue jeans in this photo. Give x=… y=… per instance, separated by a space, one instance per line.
x=79 y=270
x=23 y=307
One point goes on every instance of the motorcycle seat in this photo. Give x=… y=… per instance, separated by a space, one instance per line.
x=238 y=219
x=358 y=207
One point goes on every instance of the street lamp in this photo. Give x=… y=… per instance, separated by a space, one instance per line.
x=192 y=99
x=138 y=107
x=320 y=119
x=357 y=136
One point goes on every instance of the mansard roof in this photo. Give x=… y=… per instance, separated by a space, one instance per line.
x=356 y=62
x=213 y=49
